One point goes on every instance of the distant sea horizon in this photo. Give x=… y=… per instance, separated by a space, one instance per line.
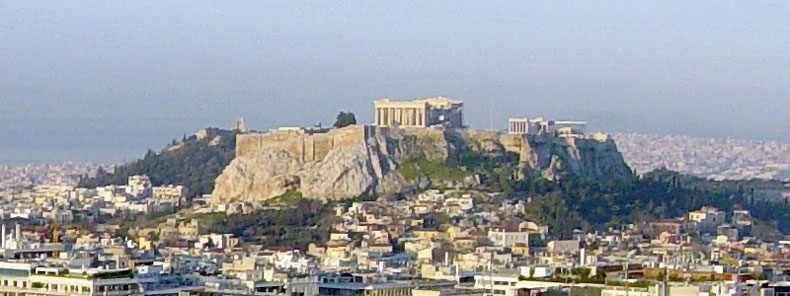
x=99 y=142
x=53 y=156
x=117 y=146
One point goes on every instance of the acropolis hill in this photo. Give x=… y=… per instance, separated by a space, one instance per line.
x=370 y=159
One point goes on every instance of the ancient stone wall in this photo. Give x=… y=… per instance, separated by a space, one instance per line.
x=304 y=147
x=354 y=160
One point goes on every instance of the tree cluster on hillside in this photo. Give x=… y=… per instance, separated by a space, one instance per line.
x=575 y=203
x=192 y=162
x=307 y=222
x=345 y=119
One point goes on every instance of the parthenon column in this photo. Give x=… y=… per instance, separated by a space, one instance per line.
x=394 y=116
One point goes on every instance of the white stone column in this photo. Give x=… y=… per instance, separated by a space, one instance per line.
x=396 y=115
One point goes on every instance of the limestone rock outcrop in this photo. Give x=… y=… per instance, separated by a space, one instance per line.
x=356 y=160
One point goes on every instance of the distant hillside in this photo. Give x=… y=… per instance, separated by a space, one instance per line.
x=720 y=159
x=194 y=162
x=738 y=187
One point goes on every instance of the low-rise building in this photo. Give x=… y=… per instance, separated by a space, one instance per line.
x=507 y=237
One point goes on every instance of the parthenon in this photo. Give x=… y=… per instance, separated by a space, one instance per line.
x=418 y=113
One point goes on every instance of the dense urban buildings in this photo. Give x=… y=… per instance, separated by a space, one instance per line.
x=719 y=159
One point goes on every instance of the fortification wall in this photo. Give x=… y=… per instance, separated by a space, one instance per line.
x=347 y=162
x=304 y=147
x=421 y=132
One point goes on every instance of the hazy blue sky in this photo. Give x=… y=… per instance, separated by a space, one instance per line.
x=106 y=80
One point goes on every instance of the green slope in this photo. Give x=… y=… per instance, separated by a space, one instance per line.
x=195 y=163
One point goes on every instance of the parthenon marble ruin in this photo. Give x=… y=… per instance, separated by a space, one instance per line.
x=418 y=113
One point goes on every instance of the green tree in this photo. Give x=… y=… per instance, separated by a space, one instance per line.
x=345 y=119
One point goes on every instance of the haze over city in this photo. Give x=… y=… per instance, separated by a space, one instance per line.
x=407 y=148
x=105 y=81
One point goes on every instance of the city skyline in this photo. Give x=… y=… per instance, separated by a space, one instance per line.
x=409 y=148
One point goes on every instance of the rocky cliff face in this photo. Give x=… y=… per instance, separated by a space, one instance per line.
x=355 y=160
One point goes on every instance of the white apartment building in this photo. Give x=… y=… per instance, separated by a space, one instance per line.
x=138 y=186
x=29 y=279
x=708 y=216
x=171 y=192
x=507 y=237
